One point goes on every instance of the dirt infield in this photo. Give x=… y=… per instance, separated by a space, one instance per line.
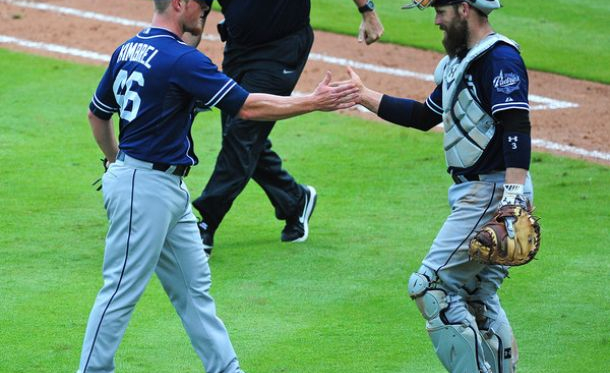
x=570 y=116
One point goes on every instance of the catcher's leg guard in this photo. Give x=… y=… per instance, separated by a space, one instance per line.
x=499 y=344
x=499 y=347
x=455 y=345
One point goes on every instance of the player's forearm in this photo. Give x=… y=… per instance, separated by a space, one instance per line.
x=370 y=99
x=103 y=133
x=407 y=112
x=265 y=107
x=515 y=176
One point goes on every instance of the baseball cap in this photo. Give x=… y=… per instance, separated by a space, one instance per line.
x=485 y=6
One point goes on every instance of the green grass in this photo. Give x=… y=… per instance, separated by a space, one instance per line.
x=558 y=36
x=337 y=303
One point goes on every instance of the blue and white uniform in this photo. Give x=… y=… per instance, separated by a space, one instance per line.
x=153 y=83
x=482 y=101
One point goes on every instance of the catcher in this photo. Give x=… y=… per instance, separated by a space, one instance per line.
x=481 y=97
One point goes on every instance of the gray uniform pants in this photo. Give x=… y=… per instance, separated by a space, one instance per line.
x=470 y=286
x=152 y=229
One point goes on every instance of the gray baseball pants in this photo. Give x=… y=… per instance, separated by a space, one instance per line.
x=466 y=282
x=152 y=229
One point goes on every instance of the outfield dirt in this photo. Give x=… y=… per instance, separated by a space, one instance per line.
x=585 y=126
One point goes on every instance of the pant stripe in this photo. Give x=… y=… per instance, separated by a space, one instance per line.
x=493 y=193
x=99 y=325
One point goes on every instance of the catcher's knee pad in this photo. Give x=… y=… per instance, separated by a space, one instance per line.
x=455 y=345
x=429 y=300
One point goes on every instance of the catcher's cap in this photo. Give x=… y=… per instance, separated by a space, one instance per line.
x=485 y=6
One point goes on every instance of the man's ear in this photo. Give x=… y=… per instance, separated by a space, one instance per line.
x=178 y=4
x=464 y=9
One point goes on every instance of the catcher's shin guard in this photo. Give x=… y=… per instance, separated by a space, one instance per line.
x=498 y=342
x=500 y=350
x=456 y=345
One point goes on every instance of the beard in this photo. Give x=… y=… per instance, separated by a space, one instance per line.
x=456 y=37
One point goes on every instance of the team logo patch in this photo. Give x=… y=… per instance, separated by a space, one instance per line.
x=506 y=83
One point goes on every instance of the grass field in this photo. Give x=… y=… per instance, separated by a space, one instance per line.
x=555 y=35
x=337 y=303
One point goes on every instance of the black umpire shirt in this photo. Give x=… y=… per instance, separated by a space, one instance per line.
x=253 y=22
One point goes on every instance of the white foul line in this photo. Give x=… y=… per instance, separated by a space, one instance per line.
x=89 y=15
x=55 y=48
x=542 y=103
x=570 y=149
x=370 y=67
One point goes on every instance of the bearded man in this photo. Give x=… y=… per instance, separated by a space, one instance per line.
x=481 y=98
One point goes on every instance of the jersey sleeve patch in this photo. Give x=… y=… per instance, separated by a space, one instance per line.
x=509 y=81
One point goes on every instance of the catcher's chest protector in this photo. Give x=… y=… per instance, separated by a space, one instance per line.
x=468 y=128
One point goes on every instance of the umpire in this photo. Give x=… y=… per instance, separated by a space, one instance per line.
x=267 y=46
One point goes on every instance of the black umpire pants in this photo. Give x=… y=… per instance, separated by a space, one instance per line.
x=246 y=151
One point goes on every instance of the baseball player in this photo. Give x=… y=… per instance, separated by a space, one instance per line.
x=152 y=83
x=481 y=98
x=267 y=46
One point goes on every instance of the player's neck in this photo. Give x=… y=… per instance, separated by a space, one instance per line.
x=476 y=34
x=165 y=22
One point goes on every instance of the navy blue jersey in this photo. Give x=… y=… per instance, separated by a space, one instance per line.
x=499 y=80
x=254 y=22
x=152 y=82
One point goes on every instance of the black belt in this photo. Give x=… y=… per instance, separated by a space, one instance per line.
x=458 y=179
x=179 y=170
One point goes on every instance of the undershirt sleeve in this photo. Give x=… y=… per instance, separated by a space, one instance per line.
x=516 y=137
x=408 y=113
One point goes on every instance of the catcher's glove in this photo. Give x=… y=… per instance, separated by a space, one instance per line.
x=511 y=238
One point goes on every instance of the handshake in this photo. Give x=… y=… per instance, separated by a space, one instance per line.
x=330 y=96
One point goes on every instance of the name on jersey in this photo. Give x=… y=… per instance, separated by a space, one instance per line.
x=506 y=83
x=138 y=52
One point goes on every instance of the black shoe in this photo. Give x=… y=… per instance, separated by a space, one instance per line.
x=297 y=230
x=207 y=237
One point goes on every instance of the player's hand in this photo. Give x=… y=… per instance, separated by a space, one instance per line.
x=333 y=96
x=371 y=28
x=355 y=79
x=367 y=97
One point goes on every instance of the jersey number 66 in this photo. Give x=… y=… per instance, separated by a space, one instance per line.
x=122 y=87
